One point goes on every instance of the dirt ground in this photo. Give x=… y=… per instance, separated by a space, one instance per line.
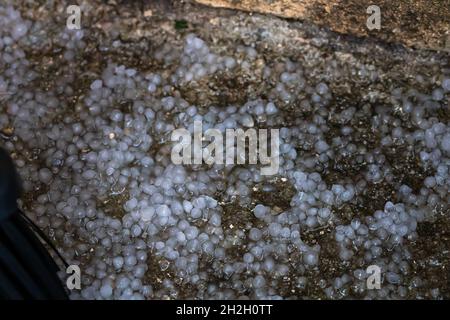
x=147 y=25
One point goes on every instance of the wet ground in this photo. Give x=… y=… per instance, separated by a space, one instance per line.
x=145 y=28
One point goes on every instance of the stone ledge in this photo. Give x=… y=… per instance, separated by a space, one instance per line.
x=415 y=23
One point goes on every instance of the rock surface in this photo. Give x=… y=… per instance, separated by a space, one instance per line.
x=421 y=23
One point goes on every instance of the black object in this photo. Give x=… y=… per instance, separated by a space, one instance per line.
x=27 y=270
x=9 y=186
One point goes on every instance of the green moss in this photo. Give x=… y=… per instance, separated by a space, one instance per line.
x=181 y=24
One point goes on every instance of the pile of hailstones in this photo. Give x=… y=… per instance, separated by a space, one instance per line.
x=171 y=214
